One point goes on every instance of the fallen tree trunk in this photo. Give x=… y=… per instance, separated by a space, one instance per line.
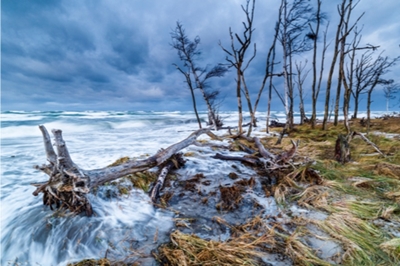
x=253 y=161
x=175 y=162
x=264 y=153
x=68 y=185
x=369 y=142
x=342 y=146
x=268 y=157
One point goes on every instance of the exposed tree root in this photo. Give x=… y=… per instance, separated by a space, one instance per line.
x=68 y=185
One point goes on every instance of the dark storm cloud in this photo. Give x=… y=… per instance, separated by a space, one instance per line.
x=130 y=49
x=105 y=54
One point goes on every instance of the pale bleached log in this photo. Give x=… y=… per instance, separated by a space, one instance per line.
x=103 y=175
x=369 y=142
x=175 y=162
x=155 y=191
x=286 y=156
x=68 y=184
x=264 y=153
x=48 y=147
x=252 y=161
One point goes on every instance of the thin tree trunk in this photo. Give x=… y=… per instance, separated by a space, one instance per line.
x=369 y=101
x=271 y=63
x=239 y=101
x=337 y=101
x=285 y=74
x=314 y=64
x=346 y=102
x=332 y=69
x=193 y=99
x=291 y=95
x=252 y=116
x=356 y=95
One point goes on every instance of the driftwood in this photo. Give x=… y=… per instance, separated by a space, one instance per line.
x=264 y=153
x=253 y=161
x=368 y=141
x=245 y=148
x=286 y=156
x=68 y=185
x=268 y=157
x=275 y=123
x=342 y=146
x=229 y=128
x=176 y=162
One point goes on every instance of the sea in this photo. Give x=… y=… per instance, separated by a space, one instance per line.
x=32 y=234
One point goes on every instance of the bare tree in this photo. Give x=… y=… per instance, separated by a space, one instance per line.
x=301 y=77
x=236 y=58
x=379 y=67
x=188 y=53
x=190 y=86
x=313 y=35
x=344 y=33
x=269 y=73
x=389 y=91
x=363 y=71
x=342 y=10
x=348 y=83
x=295 y=19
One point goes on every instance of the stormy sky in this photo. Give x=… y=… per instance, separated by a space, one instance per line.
x=117 y=54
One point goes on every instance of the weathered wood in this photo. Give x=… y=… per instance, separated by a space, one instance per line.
x=286 y=156
x=369 y=142
x=103 y=175
x=245 y=148
x=342 y=149
x=264 y=153
x=155 y=191
x=51 y=155
x=252 y=161
x=275 y=123
x=68 y=184
x=268 y=158
x=175 y=162
x=342 y=146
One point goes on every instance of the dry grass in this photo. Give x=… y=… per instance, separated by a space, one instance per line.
x=361 y=239
x=92 y=262
x=248 y=243
x=367 y=210
x=300 y=253
x=186 y=249
x=120 y=161
x=313 y=197
x=354 y=194
x=392 y=248
x=142 y=180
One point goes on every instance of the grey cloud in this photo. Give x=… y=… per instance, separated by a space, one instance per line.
x=130 y=49
x=110 y=54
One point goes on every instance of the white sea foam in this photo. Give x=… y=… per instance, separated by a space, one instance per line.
x=19 y=117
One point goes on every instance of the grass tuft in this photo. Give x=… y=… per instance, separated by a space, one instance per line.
x=361 y=239
x=300 y=253
x=392 y=248
x=186 y=249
